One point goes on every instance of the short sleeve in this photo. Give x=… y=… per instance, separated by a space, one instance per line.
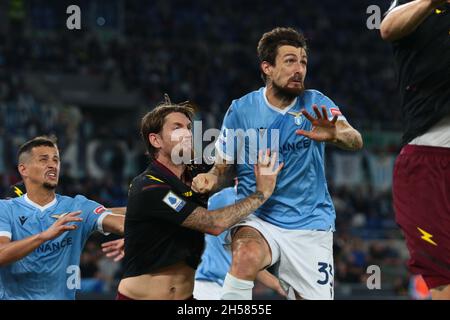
x=226 y=144
x=5 y=222
x=93 y=214
x=159 y=202
x=332 y=108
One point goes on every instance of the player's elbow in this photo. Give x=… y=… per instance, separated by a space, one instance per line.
x=385 y=32
x=388 y=31
x=359 y=141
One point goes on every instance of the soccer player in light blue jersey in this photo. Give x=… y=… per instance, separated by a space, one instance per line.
x=216 y=260
x=292 y=231
x=42 y=233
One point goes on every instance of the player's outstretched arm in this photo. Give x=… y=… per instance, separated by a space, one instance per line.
x=216 y=221
x=114 y=223
x=347 y=137
x=11 y=251
x=121 y=211
x=214 y=179
x=339 y=133
x=404 y=19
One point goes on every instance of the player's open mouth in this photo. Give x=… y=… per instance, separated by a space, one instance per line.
x=51 y=175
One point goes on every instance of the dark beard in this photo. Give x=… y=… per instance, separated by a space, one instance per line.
x=49 y=186
x=285 y=94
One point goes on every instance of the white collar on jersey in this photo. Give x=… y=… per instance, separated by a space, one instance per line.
x=34 y=204
x=282 y=111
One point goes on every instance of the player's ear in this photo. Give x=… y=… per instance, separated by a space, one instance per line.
x=266 y=68
x=22 y=169
x=155 y=140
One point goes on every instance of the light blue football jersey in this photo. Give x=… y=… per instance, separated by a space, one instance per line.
x=51 y=271
x=301 y=199
x=216 y=260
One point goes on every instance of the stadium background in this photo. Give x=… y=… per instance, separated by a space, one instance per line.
x=90 y=87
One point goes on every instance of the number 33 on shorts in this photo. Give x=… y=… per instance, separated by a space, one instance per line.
x=327 y=270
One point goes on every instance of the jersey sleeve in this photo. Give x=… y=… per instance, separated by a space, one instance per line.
x=226 y=144
x=158 y=201
x=93 y=214
x=332 y=108
x=5 y=222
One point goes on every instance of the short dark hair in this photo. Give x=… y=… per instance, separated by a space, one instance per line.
x=270 y=42
x=41 y=141
x=153 y=121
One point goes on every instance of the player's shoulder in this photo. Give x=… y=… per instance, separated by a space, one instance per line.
x=313 y=96
x=314 y=93
x=248 y=101
x=76 y=201
x=8 y=206
x=148 y=180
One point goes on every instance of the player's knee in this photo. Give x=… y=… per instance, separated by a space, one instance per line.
x=248 y=255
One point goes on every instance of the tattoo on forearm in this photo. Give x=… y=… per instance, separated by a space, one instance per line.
x=349 y=140
x=204 y=220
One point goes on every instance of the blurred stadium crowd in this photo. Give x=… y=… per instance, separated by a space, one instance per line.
x=90 y=86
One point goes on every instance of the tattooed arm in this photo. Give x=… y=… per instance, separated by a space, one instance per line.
x=216 y=221
x=347 y=137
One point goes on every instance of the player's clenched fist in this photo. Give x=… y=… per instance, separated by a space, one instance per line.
x=204 y=182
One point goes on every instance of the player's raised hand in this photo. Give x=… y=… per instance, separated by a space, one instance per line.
x=266 y=172
x=323 y=130
x=204 y=182
x=61 y=225
x=114 y=249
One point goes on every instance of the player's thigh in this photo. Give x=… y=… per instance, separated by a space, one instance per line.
x=306 y=263
x=250 y=237
x=421 y=202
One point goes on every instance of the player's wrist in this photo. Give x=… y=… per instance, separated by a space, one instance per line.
x=43 y=236
x=262 y=195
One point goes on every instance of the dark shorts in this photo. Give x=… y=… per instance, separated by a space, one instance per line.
x=421 y=193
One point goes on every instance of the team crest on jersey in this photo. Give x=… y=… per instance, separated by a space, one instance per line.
x=173 y=201
x=298 y=119
x=58 y=216
x=99 y=210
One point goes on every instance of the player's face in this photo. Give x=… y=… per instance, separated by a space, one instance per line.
x=288 y=73
x=43 y=167
x=177 y=135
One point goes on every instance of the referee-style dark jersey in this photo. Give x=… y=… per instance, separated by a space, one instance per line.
x=158 y=203
x=423 y=67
